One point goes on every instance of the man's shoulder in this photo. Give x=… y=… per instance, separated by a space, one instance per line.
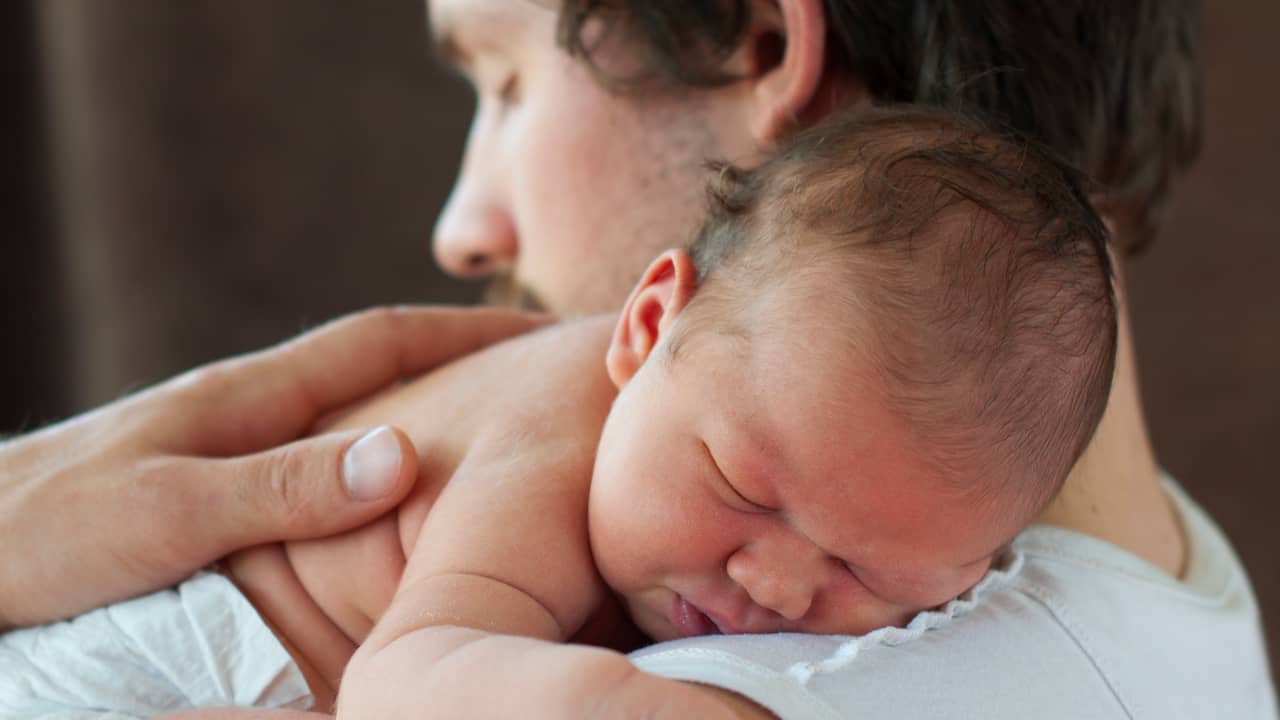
x=1063 y=626
x=1167 y=647
x=995 y=640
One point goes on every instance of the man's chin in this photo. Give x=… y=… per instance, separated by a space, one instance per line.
x=504 y=291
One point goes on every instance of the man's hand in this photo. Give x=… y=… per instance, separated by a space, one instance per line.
x=138 y=494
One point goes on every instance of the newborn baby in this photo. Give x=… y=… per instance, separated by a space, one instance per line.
x=875 y=364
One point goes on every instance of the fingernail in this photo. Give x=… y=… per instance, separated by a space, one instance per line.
x=372 y=465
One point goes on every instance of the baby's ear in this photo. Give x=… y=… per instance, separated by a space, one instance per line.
x=661 y=294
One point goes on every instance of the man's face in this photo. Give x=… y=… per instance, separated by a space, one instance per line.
x=566 y=190
x=749 y=486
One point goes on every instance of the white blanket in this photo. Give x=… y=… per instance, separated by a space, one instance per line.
x=199 y=645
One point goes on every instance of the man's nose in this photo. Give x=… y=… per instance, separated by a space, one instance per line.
x=474 y=238
x=779 y=573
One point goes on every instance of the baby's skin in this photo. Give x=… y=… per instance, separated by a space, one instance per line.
x=535 y=405
x=898 y=335
x=737 y=486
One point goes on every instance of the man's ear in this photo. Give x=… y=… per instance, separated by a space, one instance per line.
x=661 y=294
x=785 y=60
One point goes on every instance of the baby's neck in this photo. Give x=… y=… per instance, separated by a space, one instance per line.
x=1114 y=492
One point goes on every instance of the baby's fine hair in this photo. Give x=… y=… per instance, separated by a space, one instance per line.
x=975 y=260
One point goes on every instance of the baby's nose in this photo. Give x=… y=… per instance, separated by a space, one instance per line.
x=775 y=579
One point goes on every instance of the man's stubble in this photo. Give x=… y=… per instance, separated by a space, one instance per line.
x=672 y=203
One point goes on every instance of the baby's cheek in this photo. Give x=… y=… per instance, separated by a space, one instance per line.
x=926 y=590
x=969 y=575
x=625 y=539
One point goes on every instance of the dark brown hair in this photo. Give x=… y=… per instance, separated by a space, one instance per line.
x=1111 y=85
x=975 y=270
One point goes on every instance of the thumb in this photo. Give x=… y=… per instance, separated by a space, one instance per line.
x=318 y=486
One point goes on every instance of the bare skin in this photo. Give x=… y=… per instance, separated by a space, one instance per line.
x=490 y=227
x=669 y=516
x=1128 y=509
x=205 y=462
x=538 y=109
x=323 y=597
x=1114 y=493
x=504 y=559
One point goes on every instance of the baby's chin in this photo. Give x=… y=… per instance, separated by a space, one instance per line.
x=664 y=615
x=654 y=624
x=652 y=618
x=678 y=623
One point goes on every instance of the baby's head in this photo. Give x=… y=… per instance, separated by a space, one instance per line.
x=875 y=365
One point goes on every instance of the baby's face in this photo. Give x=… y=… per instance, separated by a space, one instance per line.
x=753 y=486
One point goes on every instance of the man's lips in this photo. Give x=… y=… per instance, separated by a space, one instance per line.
x=690 y=621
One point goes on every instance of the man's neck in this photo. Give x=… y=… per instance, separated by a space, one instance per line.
x=1114 y=492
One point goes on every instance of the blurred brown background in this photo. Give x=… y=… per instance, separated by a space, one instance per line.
x=183 y=181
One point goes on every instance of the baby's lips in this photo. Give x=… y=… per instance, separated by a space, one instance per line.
x=689 y=621
x=723 y=626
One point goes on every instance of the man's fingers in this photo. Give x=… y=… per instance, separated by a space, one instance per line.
x=310 y=488
x=275 y=395
x=353 y=356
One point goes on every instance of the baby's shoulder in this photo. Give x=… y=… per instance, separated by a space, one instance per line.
x=541 y=386
x=541 y=398
x=561 y=349
x=554 y=376
x=522 y=397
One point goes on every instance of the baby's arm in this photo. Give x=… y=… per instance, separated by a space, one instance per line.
x=504 y=551
x=500 y=576
x=505 y=548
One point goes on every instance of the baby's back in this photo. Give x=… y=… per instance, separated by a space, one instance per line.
x=322 y=597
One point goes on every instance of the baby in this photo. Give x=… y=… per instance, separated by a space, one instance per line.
x=873 y=367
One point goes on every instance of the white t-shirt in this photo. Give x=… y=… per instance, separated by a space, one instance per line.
x=1065 y=626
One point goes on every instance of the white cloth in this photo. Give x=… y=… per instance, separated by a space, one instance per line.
x=1066 y=626
x=199 y=645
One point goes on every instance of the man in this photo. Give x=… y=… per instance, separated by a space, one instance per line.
x=579 y=169
x=581 y=164
x=586 y=158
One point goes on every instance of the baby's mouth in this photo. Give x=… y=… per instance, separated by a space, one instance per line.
x=689 y=621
